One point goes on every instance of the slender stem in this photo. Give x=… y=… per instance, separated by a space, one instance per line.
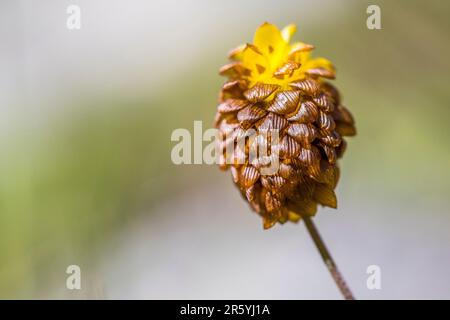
x=326 y=256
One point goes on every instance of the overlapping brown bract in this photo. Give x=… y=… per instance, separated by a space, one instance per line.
x=311 y=121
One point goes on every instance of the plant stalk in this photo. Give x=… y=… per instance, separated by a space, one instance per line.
x=326 y=256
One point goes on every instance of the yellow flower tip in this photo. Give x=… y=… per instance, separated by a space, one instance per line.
x=272 y=59
x=268 y=38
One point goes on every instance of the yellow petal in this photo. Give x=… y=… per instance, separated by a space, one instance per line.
x=288 y=32
x=271 y=44
x=302 y=57
x=269 y=41
x=254 y=60
x=300 y=52
x=268 y=38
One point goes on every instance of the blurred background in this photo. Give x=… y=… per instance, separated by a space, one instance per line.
x=86 y=176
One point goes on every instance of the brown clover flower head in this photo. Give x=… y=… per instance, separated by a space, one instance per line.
x=275 y=86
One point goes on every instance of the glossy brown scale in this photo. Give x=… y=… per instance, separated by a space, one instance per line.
x=307 y=112
x=260 y=91
x=307 y=86
x=289 y=148
x=330 y=152
x=272 y=122
x=249 y=175
x=341 y=114
x=248 y=115
x=324 y=195
x=324 y=102
x=321 y=72
x=232 y=105
x=284 y=102
x=303 y=133
x=273 y=182
x=326 y=122
x=332 y=139
x=232 y=89
x=286 y=69
x=234 y=70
